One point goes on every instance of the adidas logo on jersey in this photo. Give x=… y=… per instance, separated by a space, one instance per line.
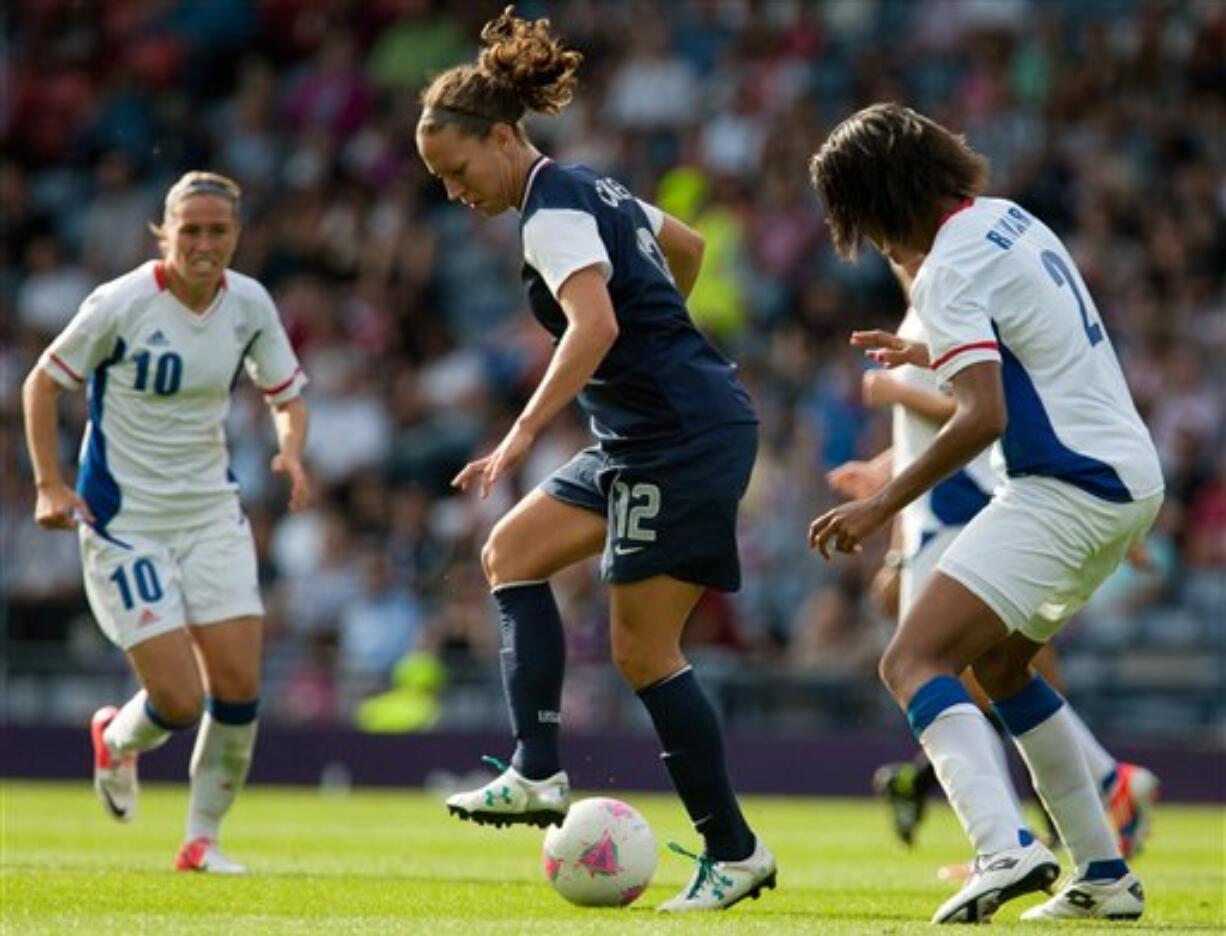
x=147 y=617
x=157 y=339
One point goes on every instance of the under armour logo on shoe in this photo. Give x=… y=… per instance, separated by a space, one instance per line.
x=1002 y=864
x=1080 y=899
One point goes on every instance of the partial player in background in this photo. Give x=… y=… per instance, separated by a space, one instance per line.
x=1014 y=334
x=920 y=535
x=656 y=497
x=168 y=555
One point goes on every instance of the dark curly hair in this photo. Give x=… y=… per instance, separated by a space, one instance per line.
x=522 y=68
x=884 y=172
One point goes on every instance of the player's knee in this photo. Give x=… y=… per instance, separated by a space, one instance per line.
x=892 y=669
x=240 y=681
x=178 y=705
x=1000 y=676
x=496 y=558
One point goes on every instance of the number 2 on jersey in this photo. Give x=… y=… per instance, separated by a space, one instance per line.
x=1061 y=276
x=148 y=588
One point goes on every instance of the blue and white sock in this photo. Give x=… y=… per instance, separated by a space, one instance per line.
x=958 y=740
x=1043 y=731
x=533 y=665
x=220 y=761
x=138 y=727
x=693 y=744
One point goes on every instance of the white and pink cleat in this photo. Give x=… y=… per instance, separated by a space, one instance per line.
x=114 y=775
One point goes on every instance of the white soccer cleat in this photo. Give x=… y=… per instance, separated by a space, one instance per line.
x=114 y=775
x=202 y=854
x=1123 y=899
x=718 y=885
x=512 y=799
x=997 y=878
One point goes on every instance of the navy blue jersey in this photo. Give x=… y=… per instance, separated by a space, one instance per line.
x=662 y=380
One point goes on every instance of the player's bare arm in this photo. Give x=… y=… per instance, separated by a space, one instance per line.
x=979 y=419
x=881 y=388
x=291 y=421
x=57 y=506
x=590 y=333
x=858 y=479
x=683 y=248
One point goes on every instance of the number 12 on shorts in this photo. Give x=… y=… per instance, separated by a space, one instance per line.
x=632 y=507
x=145 y=577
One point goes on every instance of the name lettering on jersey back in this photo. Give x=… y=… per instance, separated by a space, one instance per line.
x=1009 y=227
x=612 y=192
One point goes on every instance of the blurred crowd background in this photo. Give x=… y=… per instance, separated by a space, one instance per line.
x=1106 y=119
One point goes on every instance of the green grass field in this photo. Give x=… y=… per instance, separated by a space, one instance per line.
x=393 y=862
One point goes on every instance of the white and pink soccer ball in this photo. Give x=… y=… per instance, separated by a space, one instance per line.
x=603 y=854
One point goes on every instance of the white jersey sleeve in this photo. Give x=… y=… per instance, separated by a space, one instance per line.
x=957 y=321
x=655 y=217
x=84 y=344
x=270 y=360
x=561 y=242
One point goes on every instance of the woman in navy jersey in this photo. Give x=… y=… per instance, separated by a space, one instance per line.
x=656 y=497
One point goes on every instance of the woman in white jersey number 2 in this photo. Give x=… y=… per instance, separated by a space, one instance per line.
x=168 y=556
x=1013 y=332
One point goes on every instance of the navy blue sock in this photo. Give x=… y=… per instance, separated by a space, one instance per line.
x=533 y=664
x=693 y=745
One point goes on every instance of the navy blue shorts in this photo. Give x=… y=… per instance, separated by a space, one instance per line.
x=670 y=511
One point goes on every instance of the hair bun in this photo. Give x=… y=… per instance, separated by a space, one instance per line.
x=526 y=56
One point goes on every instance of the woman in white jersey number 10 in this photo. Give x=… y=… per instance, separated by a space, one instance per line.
x=1013 y=332
x=168 y=557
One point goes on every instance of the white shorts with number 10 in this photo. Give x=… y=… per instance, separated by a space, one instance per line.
x=1038 y=551
x=155 y=583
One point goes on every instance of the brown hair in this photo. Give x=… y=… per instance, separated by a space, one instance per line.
x=192 y=183
x=522 y=68
x=884 y=173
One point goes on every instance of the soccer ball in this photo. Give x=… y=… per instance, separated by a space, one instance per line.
x=603 y=854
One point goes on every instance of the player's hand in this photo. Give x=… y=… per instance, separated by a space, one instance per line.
x=510 y=452
x=888 y=350
x=846 y=526
x=879 y=388
x=857 y=479
x=59 y=507
x=299 y=480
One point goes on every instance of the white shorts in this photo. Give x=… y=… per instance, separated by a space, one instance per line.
x=1038 y=551
x=160 y=582
x=918 y=567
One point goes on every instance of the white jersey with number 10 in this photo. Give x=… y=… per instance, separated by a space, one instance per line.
x=159 y=380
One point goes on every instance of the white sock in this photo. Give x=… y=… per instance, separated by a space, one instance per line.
x=1000 y=757
x=1098 y=759
x=132 y=729
x=219 y=768
x=1062 y=780
x=959 y=744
